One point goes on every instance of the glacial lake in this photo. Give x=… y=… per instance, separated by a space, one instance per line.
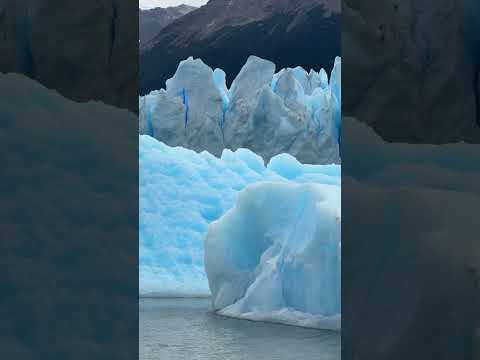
x=187 y=329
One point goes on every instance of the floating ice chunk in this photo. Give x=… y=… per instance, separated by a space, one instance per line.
x=182 y=191
x=276 y=255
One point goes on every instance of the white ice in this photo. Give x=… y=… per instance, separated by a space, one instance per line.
x=292 y=111
x=275 y=256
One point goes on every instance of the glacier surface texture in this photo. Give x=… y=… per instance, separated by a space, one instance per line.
x=275 y=256
x=182 y=192
x=290 y=111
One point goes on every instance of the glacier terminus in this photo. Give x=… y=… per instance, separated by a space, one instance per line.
x=290 y=111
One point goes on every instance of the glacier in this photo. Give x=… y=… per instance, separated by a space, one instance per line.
x=181 y=192
x=275 y=256
x=290 y=111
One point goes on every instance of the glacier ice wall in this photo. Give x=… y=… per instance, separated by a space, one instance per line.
x=182 y=191
x=275 y=256
x=292 y=111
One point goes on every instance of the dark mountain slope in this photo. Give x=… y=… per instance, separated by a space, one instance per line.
x=153 y=20
x=224 y=33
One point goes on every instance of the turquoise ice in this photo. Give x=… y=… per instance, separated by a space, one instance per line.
x=275 y=256
x=182 y=192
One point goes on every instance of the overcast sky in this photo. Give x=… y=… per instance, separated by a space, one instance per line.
x=148 y=4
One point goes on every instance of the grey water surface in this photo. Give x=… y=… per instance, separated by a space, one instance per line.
x=187 y=329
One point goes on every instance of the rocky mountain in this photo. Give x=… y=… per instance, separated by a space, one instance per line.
x=151 y=21
x=225 y=33
x=86 y=50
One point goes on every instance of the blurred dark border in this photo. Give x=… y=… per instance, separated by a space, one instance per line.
x=69 y=194
x=410 y=180
x=69 y=188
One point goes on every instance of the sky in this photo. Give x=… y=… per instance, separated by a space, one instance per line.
x=148 y=4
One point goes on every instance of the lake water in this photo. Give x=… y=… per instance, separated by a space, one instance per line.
x=186 y=329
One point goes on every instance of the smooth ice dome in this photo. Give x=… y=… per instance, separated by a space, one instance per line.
x=182 y=192
x=291 y=111
x=275 y=256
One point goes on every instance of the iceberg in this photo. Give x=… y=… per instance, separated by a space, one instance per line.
x=182 y=192
x=275 y=256
x=292 y=111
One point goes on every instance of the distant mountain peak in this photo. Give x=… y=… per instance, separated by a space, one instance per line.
x=152 y=21
x=181 y=7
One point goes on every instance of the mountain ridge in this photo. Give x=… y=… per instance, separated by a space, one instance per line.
x=225 y=33
x=152 y=21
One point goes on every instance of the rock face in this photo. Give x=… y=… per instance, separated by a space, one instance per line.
x=225 y=33
x=275 y=256
x=422 y=84
x=151 y=21
x=41 y=39
x=269 y=113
